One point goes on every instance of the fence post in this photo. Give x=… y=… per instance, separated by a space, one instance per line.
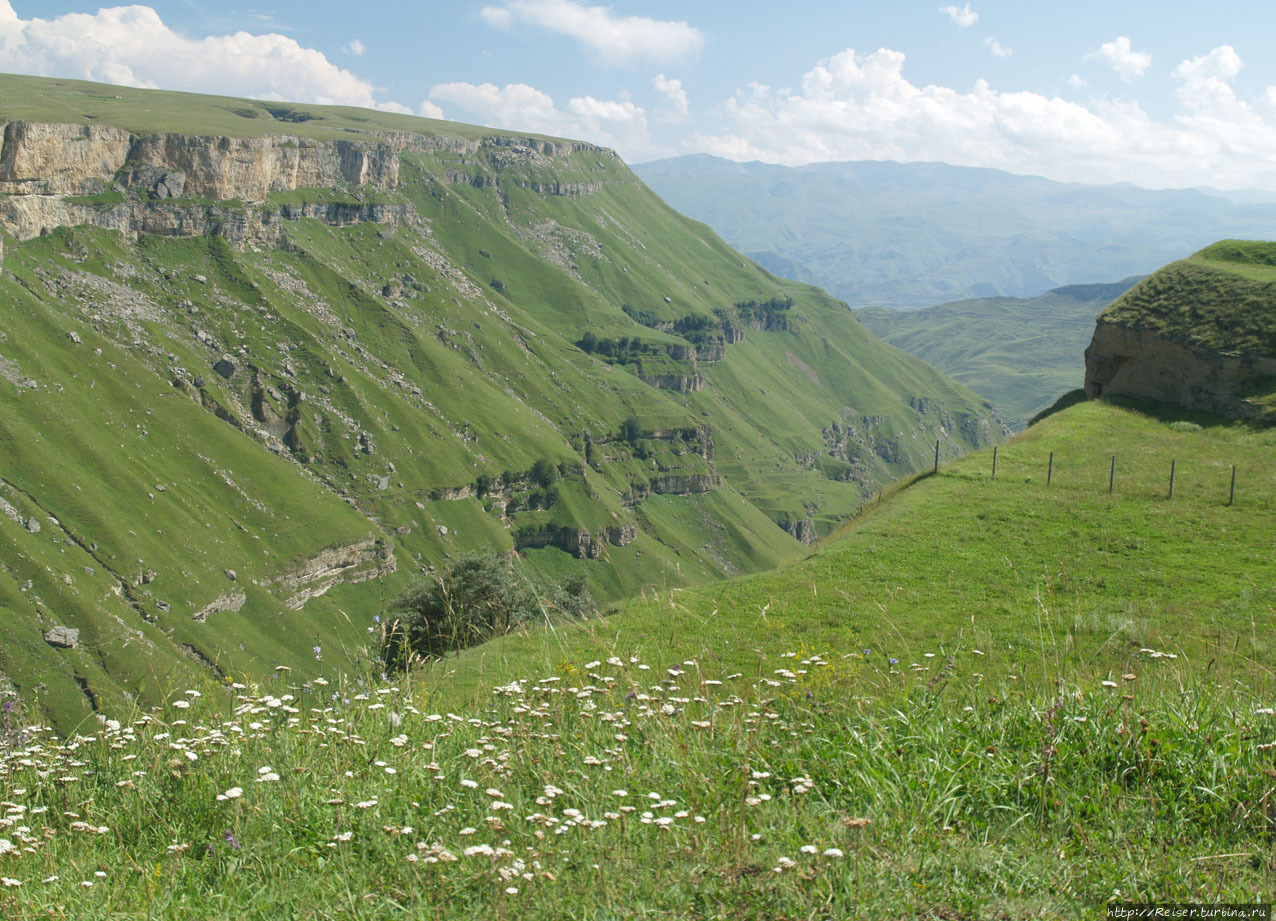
x=1112 y=474
x=937 y=455
x=1232 y=495
x=1050 y=469
x=1172 y=463
x=994 y=462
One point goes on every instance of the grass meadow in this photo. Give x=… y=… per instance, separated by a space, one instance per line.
x=984 y=699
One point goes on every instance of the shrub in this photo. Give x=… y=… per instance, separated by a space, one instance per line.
x=479 y=596
x=543 y=473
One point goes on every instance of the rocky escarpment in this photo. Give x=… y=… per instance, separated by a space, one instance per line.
x=27 y=216
x=189 y=185
x=1128 y=361
x=579 y=542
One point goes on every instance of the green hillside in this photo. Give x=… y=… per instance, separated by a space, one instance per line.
x=1223 y=298
x=1020 y=353
x=227 y=441
x=985 y=698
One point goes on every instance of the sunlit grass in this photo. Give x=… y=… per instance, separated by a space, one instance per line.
x=838 y=784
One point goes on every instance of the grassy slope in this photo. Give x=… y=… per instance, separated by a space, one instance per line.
x=1223 y=297
x=1038 y=576
x=451 y=379
x=45 y=99
x=989 y=773
x=1019 y=353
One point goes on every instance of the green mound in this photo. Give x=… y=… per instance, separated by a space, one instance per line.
x=1221 y=298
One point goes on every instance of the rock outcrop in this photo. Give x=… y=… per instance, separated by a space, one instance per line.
x=1127 y=361
x=189 y=185
x=356 y=562
x=27 y=216
x=578 y=542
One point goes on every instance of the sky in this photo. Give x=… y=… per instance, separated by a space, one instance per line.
x=1159 y=93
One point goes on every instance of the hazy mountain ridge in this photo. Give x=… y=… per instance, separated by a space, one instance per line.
x=910 y=235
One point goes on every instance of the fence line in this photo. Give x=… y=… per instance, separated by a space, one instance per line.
x=1112 y=465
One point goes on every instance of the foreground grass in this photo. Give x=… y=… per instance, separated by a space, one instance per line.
x=837 y=785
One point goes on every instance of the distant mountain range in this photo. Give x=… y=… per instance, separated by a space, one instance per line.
x=1020 y=353
x=910 y=235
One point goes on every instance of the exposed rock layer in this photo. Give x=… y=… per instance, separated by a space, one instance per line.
x=1131 y=362
x=187 y=185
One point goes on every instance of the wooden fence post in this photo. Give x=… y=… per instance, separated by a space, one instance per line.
x=1232 y=495
x=1112 y=474
x=1050 y=469
x=937 y=455
x=994 y=462
x=1172 y=463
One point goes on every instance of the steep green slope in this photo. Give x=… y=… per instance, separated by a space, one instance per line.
x=1015 y=576
x=240 y=412
x=1223 y=297
x=1019 y=353
x=909 y=235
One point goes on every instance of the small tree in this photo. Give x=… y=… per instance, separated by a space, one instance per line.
x=631 y=430
x=543 y=473
x=479 y=596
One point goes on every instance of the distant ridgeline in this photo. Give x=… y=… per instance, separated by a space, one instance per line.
x=261 y=366
x=1200 y=332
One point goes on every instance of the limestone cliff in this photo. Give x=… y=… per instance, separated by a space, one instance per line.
x=1127 y=361
x=190 y=185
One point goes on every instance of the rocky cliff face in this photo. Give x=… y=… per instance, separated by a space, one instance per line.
x=27 y=216
x=44 y=167
x=1127 y=361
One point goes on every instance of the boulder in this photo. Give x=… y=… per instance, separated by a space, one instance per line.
x=63 y=637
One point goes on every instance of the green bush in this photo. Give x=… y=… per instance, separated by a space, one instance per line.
x=479 y=596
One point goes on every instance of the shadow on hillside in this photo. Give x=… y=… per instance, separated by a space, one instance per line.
x=1162 y=412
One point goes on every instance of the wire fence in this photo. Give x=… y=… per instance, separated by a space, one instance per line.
x=1136 y=474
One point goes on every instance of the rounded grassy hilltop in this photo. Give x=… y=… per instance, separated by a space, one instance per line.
x=1223 y=298
x=1199 y=333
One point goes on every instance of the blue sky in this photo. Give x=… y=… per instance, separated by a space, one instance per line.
x=1155 y=93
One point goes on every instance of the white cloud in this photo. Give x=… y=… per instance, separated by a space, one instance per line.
x=497 y=16
x=131 y=46
x=672 y=90
x=996 y=47
x=619 y=124
x=615 y=39
x=963 y=18
x=1077 y=81
x=428 y=109
x=1120 y=54
x=355 y=47
x=861 y=107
